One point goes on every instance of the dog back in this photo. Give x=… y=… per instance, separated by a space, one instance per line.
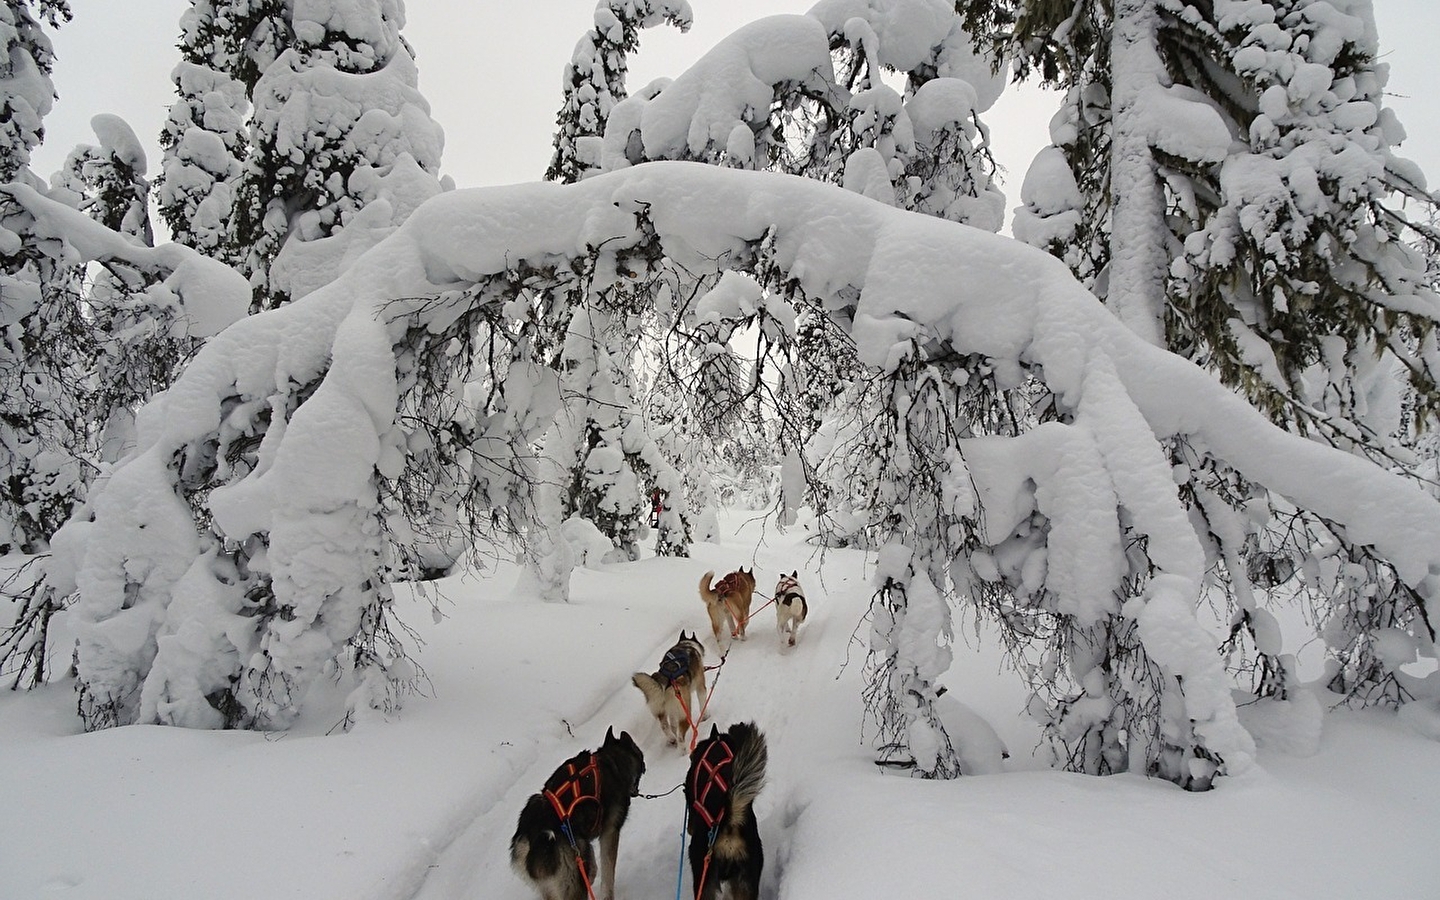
x=727 y=772
x=573 y=791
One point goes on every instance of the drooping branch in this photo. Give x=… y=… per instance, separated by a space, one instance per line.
x=893 y=280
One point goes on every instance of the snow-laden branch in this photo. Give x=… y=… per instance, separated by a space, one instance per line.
x=208 y=292
x=313 y=492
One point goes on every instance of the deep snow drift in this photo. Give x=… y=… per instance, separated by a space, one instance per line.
x=424 y=805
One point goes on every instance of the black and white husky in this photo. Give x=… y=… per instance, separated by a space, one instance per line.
x=790 y=606
x=586 y=799
x=675 y=692
x=726 y=774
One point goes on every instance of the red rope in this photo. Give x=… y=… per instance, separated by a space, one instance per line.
x=705 y=869
x=685 y=705
x=585 y=877
x=750 y=615
x=694 y=728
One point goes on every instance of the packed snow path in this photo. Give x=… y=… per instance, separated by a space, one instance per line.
x=793 y=694
x=424 y=805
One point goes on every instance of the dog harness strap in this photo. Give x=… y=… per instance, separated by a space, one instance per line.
x=580 y=784
x=674 y=665
x=712 y=773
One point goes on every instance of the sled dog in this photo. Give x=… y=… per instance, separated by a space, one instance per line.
x=675 y=692
x=587 y=798
x=726 y=773
x=728 y=602
x=790 y=607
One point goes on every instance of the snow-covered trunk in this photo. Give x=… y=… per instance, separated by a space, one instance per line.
x=910 y=630
x=1138 y=240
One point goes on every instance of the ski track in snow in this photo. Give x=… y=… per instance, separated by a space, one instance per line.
x=762 y=680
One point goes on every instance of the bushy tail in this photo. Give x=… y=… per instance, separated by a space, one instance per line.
x=648 y=686
x=706 y=593
x=748 y=775
x=535 y=848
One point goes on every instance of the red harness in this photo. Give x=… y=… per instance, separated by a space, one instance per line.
x=729 y=584
x=575 y=786
x=710 y=783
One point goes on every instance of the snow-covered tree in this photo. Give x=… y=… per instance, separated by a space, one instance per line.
x=336 y=126
x=1256 y=137
x=41 y=419
x=595 y=78
x=1079 y=515
x=25 y=84
x=223 y=48
x=109 y=179
x=1224 y=176
x=80 y=354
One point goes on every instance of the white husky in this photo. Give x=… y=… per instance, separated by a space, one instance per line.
x=790 y=607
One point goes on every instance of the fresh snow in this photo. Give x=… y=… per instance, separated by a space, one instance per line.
x=423 y=806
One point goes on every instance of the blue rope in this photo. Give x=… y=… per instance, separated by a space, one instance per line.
x=580 y=863
x=680 y=875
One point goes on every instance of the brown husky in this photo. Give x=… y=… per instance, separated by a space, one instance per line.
x=675 y=693
x=728 y=602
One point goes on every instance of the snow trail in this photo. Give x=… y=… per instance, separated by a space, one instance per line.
x=790 y=693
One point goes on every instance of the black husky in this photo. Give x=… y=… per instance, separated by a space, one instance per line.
x=727 y=772
x=587 y=798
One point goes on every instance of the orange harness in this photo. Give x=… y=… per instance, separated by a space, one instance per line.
x=710 y=783
x=570 y=790
x=578 y=785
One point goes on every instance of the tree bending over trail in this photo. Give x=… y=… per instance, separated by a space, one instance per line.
x=1079 y=515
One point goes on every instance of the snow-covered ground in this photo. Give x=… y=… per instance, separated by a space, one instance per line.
x=424 y=805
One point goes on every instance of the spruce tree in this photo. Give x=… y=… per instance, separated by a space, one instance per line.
x=42 y=427
x=595 y=78
x=335 y=122
x=1223 y=175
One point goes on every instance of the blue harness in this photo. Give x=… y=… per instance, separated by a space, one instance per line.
x=674 y=666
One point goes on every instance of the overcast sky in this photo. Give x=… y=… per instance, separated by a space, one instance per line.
x=492 y=71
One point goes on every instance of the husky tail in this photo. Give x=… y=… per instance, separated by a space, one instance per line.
x=706 y=592
x=648 y=686
x=748 y=744
x=535 y=848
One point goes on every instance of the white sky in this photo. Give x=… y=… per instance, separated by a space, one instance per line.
x=492 y=73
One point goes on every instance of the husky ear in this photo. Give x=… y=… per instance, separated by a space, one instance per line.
x=795 y=573
x=610 y=735
x=714 y=731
